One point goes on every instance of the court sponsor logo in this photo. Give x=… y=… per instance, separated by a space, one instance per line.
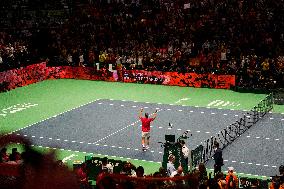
x=182 y=100
x=221 y=103
x=16 y=108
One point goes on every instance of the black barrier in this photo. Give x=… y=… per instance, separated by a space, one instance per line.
x=232 y=132
x=278 y=96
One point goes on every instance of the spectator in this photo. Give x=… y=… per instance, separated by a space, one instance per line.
x=106 y=167
x=231 y=179
x=82 y=177
x=170 y=165
x=15 y=156
x=4 y=155
x=178 y=172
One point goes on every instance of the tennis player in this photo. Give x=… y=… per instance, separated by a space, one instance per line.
x=146 y=122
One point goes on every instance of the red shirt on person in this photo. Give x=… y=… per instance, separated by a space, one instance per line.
x=146 y=123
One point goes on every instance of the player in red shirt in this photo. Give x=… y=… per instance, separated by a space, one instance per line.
x=146 y=121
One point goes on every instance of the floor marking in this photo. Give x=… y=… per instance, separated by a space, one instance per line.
x=233 y=161
x=89 y=143
x=134 y=106
x=236 y=115
x=198 y=131
x=248 y=136
x=169 y=128
x=267 y=138
x=100 y=103
x=265 y=165
x=182 y=99
x=257 y=164
x=180 y=110
x=111 y=99
x=50 y=138
x=81 y=142
x=146 y=107
x=58 y=139
x=226 y=160
x=250 y=163
x=242 y=162
x=66 y=140
x=119 y=147
x=271 y=118
x=213 y=113
x=41 y=137
x=122 y=105
x=160 y=127
x=168 y=109
x=113 y=146
x=105 y=145
x=111 y=104
x=25 y=135
x=136 y=149
x=202 y=112
x=73 y=141
x=179 y=129
x=191 y=111
x=207 y=132
x=128 y=148
x=274 y=166
x=277 y=139
x=33 y=136
x=159 y=103
x=160 y=152
x=257 y=137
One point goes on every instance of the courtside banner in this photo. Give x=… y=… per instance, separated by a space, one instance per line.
x=179 y=79
x=19 y=77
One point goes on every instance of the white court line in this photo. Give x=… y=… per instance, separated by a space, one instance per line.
x=118 y=130
x=53 y=116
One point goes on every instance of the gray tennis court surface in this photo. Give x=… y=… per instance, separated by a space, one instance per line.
x=112 y=128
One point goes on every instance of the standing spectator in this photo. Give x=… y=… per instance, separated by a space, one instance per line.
x=231 y=179
x=218 y=157
x=170 y=165
x=185 y=152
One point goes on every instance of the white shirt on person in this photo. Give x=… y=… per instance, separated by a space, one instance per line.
x=185 y=151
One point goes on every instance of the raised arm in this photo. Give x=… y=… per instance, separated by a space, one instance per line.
x=155 y=115
x=140 y=113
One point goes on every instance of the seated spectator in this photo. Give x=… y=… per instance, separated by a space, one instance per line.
x=106 y=167
x=15 y=156
x=4 y=157
x=82 y=177
x=139 y=171
x=178 y=172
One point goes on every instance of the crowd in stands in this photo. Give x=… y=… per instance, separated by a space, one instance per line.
x=242 y=37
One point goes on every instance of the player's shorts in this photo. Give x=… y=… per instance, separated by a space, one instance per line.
x=145 y=134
